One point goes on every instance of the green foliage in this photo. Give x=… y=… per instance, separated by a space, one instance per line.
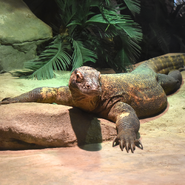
x=88 y=31
x=81 y=54
x=133 y=6
x=53 y=57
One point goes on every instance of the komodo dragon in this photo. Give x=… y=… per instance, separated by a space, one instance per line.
x=121 y=98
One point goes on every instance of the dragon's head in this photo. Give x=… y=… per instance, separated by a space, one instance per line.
x=86 y=81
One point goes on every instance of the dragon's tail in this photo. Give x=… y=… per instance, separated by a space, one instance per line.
x=165 y=63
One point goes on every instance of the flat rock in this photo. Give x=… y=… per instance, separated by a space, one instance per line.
x=33 y=125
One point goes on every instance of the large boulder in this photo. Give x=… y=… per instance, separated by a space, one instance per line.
x=20 y=34
x=34 y=125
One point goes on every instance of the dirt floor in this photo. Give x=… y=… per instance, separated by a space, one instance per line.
x=162 y=161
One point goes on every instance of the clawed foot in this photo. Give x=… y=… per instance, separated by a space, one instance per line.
x=5 y=101
x=127 y=142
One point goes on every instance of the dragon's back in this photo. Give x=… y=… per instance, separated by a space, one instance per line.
x=143 y=88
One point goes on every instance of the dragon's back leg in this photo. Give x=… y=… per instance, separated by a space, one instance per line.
x=171 y=82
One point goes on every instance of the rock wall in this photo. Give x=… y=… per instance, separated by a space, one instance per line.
x=20 y=34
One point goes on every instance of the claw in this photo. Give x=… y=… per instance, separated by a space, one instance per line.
x=132 y=148
x=114 y=141
x=128 y=144
x=5 y=99
x=121 y=144
x=139 y=144
x=127 y=147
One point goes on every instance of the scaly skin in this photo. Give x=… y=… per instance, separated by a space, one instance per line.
x=121 y=98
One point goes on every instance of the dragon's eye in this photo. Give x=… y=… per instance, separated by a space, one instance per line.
x=79 y=77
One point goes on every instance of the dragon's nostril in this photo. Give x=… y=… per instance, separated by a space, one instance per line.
x=88 y=85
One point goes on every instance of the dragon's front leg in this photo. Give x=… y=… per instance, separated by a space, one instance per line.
x=127 y=124
x=61 y=95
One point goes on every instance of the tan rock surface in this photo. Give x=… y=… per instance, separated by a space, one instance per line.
x=162 y=161
x=33 y=125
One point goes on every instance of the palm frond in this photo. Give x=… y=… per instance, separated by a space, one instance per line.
x=54 y=57
x=124 y=28
x=133 y=6
x=81 y=54
x=67 y=11
x=122 y=60
x=107 y=2
x=162 y=36
x=87 y=29
x=121 y=22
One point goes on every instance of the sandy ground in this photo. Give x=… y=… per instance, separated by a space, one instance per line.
x=161 y=162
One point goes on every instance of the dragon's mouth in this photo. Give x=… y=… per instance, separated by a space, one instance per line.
x=91 y=92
